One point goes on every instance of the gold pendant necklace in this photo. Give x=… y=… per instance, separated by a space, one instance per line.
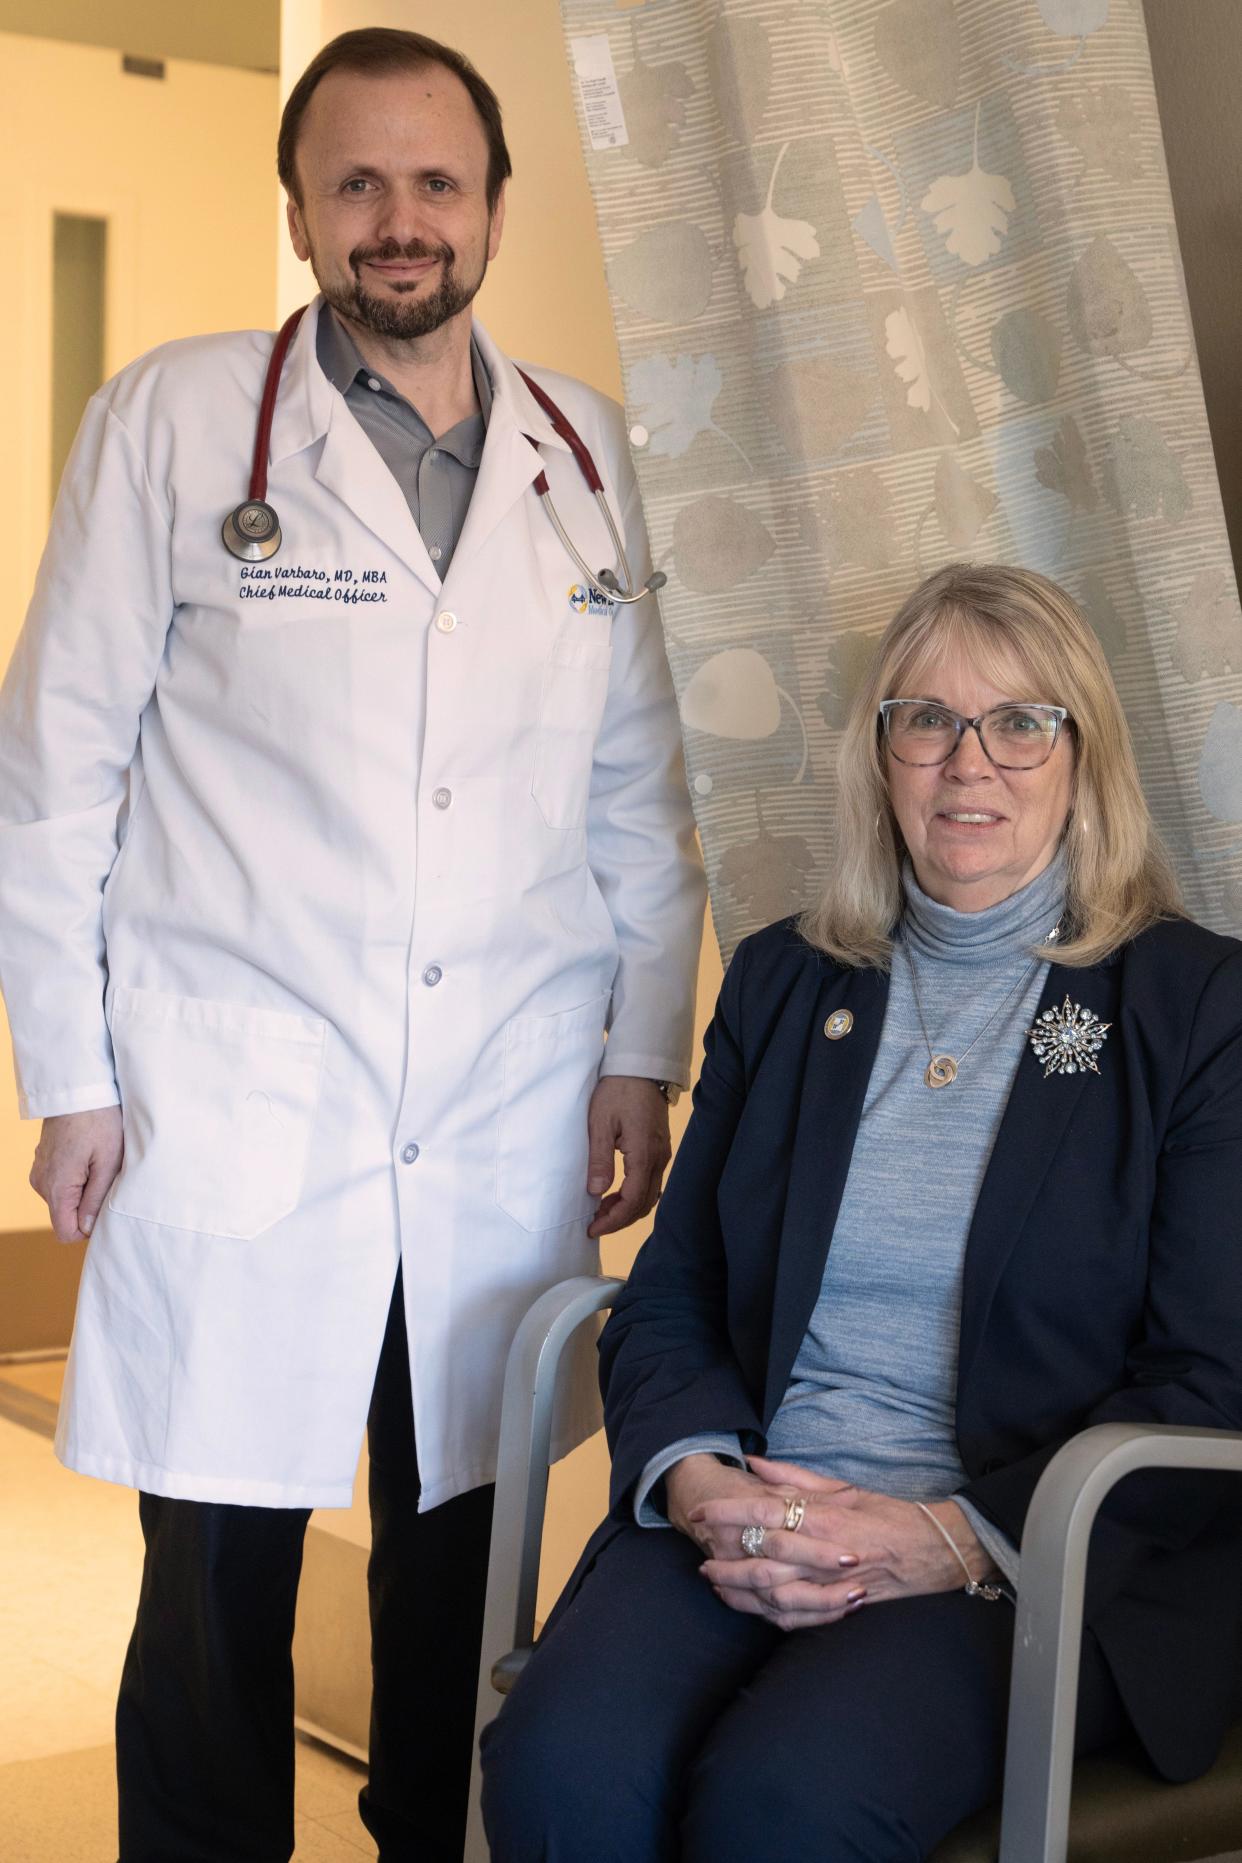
x=942 y=1069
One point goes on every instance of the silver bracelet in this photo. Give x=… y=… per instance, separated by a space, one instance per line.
x=973 y=1587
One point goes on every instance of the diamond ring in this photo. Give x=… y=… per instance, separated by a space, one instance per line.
x=752 y=1542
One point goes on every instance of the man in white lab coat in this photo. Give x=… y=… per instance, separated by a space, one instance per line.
x=322 y=876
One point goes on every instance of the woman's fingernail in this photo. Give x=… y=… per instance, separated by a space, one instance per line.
x=86 y=1225
x=847 y=1559
x=856 y=1596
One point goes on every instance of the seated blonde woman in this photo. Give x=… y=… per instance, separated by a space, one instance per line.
x=964 y=1177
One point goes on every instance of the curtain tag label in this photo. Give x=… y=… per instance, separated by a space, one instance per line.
x=601 y=96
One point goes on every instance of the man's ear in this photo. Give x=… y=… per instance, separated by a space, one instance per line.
x=496 y=221
x=297 y=232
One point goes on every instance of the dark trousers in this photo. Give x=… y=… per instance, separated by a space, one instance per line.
x=653 y=1723
x=205 y=1716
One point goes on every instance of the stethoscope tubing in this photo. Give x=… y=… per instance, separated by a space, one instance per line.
x=267 y=407
x=605 y=583
x=265 y=539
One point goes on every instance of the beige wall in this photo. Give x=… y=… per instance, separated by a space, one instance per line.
x=171 y=165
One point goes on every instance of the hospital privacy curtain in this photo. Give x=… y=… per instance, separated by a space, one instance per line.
x=896 y=282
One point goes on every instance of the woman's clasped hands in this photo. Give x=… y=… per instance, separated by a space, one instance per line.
x=849 y=1546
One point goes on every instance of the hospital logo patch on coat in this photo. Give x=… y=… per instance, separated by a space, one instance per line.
x=586 y=601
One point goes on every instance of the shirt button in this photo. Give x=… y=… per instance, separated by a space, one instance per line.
x=373 y=384
x=432 y=975
x=433 y=455
x=409 y=1153
x=441 y=798
x=446 y=623
x=435 y=553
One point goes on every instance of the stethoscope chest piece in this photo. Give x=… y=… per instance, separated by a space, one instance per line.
x=252 y=531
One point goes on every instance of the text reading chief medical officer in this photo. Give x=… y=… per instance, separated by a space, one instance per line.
x=322 y=876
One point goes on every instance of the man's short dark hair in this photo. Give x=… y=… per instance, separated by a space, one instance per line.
x=378 y=51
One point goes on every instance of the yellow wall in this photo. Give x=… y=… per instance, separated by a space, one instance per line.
x=225 y=32
x=545 y=300
x=196 y=245
x=179 y=169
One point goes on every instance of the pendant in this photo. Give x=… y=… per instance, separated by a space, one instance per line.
x=1068 y=1039
x=941 y=1071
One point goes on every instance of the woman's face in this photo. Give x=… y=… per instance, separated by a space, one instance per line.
x=977 y=833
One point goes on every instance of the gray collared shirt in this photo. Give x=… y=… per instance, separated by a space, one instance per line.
x=436 y=476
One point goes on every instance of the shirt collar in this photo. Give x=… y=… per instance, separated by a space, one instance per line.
x=342 y=363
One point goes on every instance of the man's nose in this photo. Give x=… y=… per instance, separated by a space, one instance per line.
x=403 y=216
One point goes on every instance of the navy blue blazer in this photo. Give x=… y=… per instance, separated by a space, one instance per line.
x=1102 y=1280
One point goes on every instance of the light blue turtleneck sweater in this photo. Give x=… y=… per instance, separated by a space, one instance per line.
x=871 y=1398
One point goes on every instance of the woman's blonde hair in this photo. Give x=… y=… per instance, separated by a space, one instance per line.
x=1118 y=877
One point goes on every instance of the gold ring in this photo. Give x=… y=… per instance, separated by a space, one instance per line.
x=795 y=1512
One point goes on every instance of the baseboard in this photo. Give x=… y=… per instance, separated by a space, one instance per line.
x=28 y=1409
x=38 y=1290
x=332 y=1644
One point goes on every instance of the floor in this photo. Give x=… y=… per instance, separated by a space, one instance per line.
x=70 y=1558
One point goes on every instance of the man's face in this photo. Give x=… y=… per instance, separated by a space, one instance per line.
x=393 y=215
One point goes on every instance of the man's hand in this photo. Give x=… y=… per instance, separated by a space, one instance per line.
x=75 y=1162
x=630 y=1116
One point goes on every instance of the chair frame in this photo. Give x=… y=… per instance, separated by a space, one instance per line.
x=1048 y=1632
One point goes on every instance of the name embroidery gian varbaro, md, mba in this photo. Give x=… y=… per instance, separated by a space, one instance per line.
x=269 y=582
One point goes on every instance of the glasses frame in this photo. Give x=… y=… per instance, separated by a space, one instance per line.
x=961 y=725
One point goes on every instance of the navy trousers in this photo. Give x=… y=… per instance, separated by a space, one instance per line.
x=205 y=1752
x=652 y=1723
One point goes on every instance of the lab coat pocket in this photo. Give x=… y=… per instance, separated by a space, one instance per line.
x=551 y=1065
x=218 y=1100
x=575 y=689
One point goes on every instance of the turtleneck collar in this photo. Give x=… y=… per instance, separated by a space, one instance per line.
x=1009 y=930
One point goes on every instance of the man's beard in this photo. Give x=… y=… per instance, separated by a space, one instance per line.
x=391 y=316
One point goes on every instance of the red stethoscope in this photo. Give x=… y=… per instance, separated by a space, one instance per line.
x=252 y=530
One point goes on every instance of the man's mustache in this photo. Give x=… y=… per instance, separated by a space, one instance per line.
x=392 y=249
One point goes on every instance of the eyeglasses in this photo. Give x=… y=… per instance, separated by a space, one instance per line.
x=1014 y=737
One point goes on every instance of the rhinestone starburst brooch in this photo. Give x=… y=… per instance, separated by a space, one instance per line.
x=1068 y=1039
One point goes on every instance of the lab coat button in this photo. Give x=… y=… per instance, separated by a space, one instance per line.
x=409 y=1153
x=446 y=622
x=432 y=975
x=441 y=798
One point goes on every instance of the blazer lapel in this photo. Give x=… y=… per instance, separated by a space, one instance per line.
x=834 y=1086
x=1036 y=1118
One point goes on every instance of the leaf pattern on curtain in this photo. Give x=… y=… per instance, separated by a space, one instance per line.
x=897 y=282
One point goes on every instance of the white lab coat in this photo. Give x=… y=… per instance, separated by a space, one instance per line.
x=391 y=856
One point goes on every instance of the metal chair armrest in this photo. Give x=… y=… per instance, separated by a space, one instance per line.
x=1047 y=1637
x=521 y=1497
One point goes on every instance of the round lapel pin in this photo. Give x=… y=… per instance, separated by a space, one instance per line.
x=839 y=1023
